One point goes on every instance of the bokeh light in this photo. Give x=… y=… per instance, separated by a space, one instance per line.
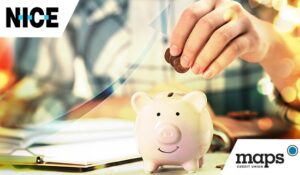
x=276 y=4
x=265 y=86
x=289 y=94
x=294 y=116
x=265 y=124
x=288 y=17
x=4 y=79
x=283 y=68
x=283 y=25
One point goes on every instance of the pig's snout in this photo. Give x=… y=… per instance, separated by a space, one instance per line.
x=167 y=133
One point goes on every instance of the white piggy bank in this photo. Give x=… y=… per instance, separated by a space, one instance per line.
x=172 y=129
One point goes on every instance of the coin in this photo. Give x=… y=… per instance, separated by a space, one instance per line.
x=175 y=62
x=168 y=55
x=178 y=67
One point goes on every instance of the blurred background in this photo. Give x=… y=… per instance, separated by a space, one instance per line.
x=113 y=48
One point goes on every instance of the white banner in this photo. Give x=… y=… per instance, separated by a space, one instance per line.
x=35 y=18
x=264 y=157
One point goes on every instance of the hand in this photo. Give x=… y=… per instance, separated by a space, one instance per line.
x=213 y=33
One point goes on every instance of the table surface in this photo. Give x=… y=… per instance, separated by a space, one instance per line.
x=209 y=168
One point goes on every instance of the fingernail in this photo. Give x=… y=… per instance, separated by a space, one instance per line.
x=196 y=69
x=174 y=50
x=208 y=74
x=185 y=61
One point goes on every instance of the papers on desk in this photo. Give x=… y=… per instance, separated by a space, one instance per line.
x=15 y=138
x=82 y=143
x=84 y=131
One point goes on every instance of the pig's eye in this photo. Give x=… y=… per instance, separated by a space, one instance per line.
x=177 y=113
x=158 y=114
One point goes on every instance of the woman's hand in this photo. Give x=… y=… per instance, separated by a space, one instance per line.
x=213 y=33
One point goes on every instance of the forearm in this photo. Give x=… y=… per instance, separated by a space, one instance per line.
x=282 y=64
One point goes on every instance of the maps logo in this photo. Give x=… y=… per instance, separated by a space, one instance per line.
x=263 y=160
x=36 y=17
x=263 y=156
x=258 y=160
x=32 y=18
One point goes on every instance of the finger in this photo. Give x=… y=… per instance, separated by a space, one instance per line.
x=216 y=44
x=187 y=22
x=201 y=33
x=235 y=49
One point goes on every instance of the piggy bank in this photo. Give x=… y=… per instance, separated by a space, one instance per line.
x=172 y=129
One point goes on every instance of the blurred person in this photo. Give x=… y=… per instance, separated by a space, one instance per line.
x=211 y=34
x=104 y=38
x=55 y=75
x=247 y=83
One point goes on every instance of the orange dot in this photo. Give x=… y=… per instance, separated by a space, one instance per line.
x=289 y=94
x=265 y=124
x=4 y=79
x=294 y=116
x=284 y=68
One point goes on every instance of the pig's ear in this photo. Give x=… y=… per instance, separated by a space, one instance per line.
x=138 y=100
x=197 y=99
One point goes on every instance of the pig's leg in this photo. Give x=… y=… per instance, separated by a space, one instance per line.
x=191 y=166
x=201 y=162
x=150 y=166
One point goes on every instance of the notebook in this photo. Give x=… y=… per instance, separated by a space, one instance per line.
x=82 y=144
